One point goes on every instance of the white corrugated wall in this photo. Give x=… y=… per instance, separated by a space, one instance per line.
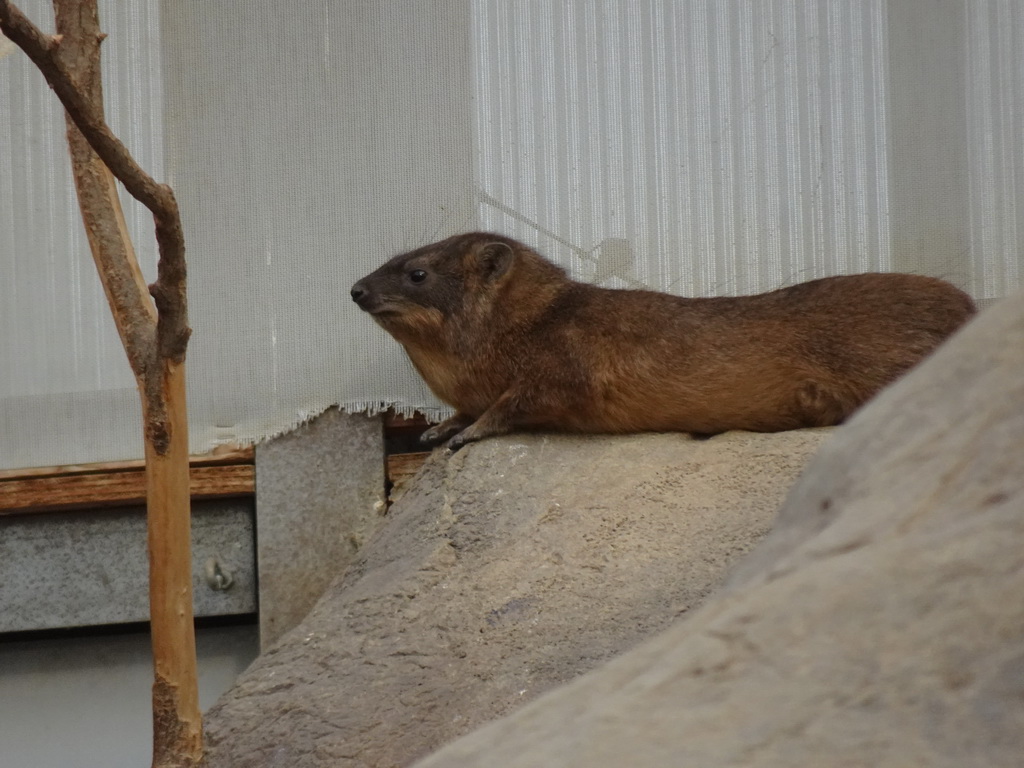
x=697 y=146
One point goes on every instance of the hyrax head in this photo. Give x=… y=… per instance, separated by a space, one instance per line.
x=412 y=293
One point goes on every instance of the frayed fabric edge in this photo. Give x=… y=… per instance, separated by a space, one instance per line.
x=242 y=435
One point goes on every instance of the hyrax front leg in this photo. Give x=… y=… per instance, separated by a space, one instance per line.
x=501 y=418
x=446 y=428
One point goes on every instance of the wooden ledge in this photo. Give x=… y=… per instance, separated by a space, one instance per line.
x=225 y=473
x=49 y=489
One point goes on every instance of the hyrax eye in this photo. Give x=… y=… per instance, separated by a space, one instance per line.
x=418 y=275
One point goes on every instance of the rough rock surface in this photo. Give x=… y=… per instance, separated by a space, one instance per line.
x=881 y=623
x=506 y=570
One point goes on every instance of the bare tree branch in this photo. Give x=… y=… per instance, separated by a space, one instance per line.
x=154 y=338
x=42 y=49
x=169 y=289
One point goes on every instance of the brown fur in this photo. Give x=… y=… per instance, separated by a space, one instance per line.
x=511 y=342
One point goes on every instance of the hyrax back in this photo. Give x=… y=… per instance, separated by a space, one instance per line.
x=505 y=337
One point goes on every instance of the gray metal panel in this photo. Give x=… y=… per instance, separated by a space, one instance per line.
x=85 y=568
x=86 y=702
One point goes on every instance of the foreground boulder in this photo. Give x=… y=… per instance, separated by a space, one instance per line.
x=508 y=569
x=881 y=623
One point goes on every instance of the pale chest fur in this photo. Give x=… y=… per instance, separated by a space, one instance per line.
x=450 y=378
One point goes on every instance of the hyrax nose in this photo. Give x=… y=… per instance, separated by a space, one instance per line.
x=358 y=292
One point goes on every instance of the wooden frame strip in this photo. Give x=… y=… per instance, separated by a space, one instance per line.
x=49 y=489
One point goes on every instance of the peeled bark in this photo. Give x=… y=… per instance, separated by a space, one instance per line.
x=177 y=724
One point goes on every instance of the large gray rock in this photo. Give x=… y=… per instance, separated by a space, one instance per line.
x=508 y=569
x=881 y=624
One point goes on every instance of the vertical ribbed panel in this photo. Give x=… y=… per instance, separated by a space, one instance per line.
x=995 y=134
x=699 y=146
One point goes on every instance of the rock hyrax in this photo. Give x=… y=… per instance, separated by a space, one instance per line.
x=511 y=342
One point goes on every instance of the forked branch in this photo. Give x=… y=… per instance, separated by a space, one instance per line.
x=168 y=291
x=155 y=334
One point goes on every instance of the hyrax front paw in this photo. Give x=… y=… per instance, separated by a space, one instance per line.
x=435 y=434
x=459 y=440
x=446 y=429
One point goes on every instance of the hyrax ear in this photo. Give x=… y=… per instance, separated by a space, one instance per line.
x=495 y=260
